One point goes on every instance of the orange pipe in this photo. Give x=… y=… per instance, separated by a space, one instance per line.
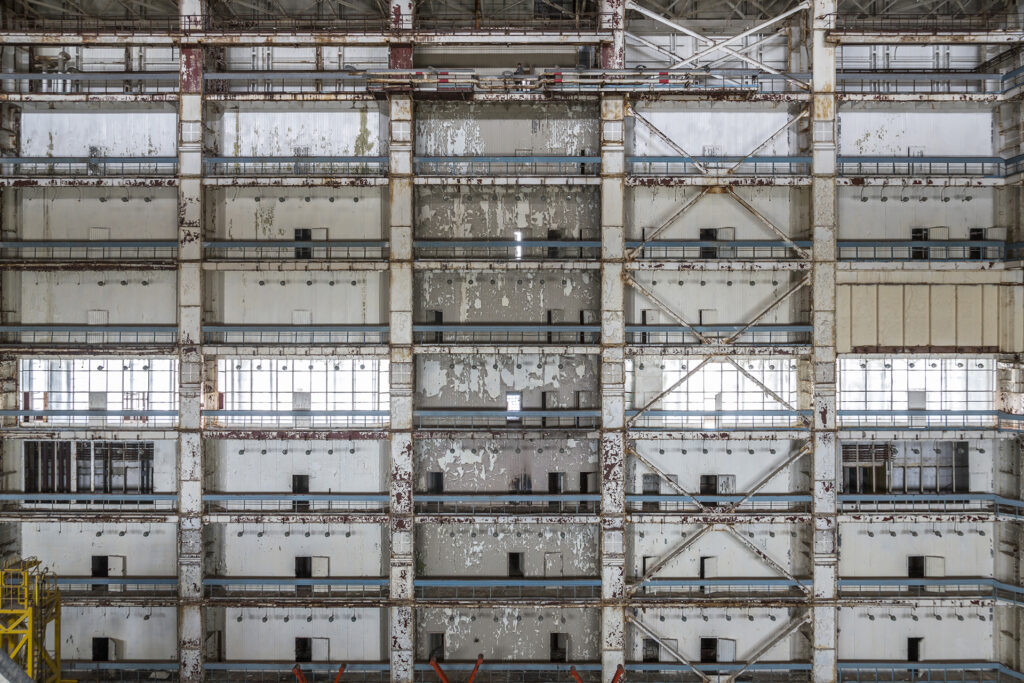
x=479 y=661
x=572 y=672
x=619 y=672
x=341 y=670
x=297 y=670
x=440 y=673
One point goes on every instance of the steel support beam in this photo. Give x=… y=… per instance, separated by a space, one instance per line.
x=824 y=226
x=613 y=384
x=400 y=300
x=191 y=369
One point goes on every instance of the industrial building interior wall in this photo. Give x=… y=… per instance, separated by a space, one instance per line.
x=503 y=511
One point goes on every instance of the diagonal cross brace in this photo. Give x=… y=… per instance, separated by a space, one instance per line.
x=767 y=559
x=720 y=45
x=669 y=556
x=667 y=140
x=667 y=223
x=668 y=391
x=665 y=307
x=762 y=386
x=724 y=48
x=664 y=475
x=804 y=450
x=768 y=139
x=767 y=309
x=759 y=216
x=784 y=633
x=646 y=630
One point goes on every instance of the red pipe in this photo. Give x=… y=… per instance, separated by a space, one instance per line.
x=341 y=670
x=572 y=672
x=440 y=673
x=298 y=673
x=479 y=661
x=619 y=672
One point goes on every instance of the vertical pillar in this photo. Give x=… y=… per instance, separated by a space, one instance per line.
x=400 y=20
x=823 y=361
x=613 y=19
x=400 y=206
x=190 y=357
x=613 y=401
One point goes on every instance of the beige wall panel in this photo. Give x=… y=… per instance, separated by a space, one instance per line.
x=916 y=326
x=969 y=316
x=863 y=304
x=990 y=315
x=943 y=319
x=843 y=324
x=890 y=315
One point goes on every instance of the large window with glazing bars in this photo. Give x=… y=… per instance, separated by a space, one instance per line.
x=282 y=390
x=97 y=466
x=103 y=391
x=722 y=392
x=906 y=467
x=942 y=390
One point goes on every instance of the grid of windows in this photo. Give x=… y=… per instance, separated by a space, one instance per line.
x=131 y=388
x=916 y=384
x=348 y=388
x=720 y=387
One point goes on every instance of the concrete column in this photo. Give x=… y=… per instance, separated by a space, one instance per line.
x=823 y=319
x=400 y=17
x=190 y=356
x=613 y=373
x=613 y=18
x=400 y=206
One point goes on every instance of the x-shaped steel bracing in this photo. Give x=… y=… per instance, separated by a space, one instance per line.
x=787 y=630
x=722 y=45
x=663 y=561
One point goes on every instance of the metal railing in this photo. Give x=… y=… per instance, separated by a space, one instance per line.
x=88 y=250
x=513 y=672
x=919 y=82
x=214 y=503
x=295 y=165
x=707 y=250
x=281 y=672
x=296 y=419
x=88 y=166
x=77 y=335
x=137 y=419
x=84 y=502
x=523 y=503
x=984 y=166
x=903 y=588
x=932 y=502
x=295 y=334
x=229 y=82
x=508 y=250
x=888 y=22
x=117 y=586
x=759 y=335
x=100 y=82
x=919 y=419
x=507 y=588
x=708 y=589
x=507 y=419
x=922 y=250
x=719 y=503
x=120 y=672
x=319 y=588
x=296 y=250
x=651 y=165
x=546 y=21
x=516 y=333
x=720 y=420
x=931 y=672
x=507 y=165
